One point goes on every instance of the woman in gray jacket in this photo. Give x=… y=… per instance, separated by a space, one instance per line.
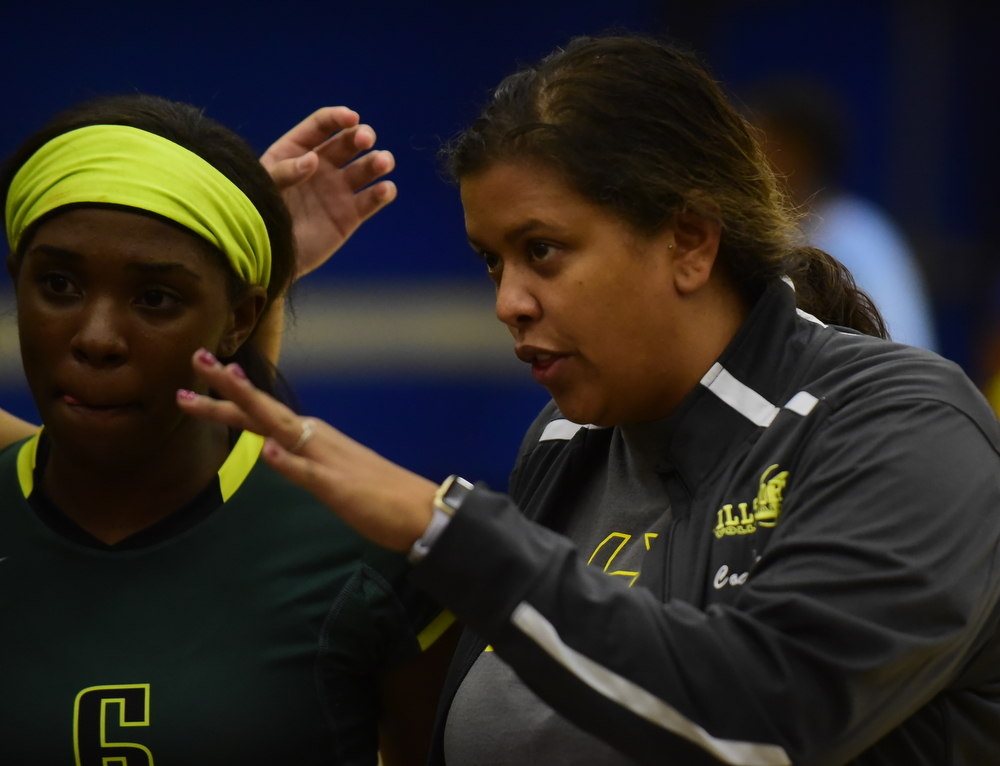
x=748 y=529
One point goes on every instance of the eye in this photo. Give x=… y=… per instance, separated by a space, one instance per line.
x=59 y=284
x=158 y=298
x=493 y=262
x=540 y=251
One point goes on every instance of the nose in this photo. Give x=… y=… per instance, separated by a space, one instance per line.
x=98 y=340
x=517 y=298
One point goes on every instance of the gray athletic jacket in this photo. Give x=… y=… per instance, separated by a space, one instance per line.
x=828 y=590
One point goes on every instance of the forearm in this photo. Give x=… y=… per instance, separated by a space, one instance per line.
x=270 y=329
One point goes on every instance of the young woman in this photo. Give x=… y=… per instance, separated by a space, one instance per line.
x=165 y=594
x=331 y=184
x=799 y=518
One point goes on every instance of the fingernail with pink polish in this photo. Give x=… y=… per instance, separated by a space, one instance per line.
x=183 y=393
x=270 y=449
x=238 y=371
x=207 y=357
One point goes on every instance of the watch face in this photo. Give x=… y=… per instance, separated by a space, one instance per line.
x=456 y=491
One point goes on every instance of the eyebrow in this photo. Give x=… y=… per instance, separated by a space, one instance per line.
x=164 y=267
x=55 y=252
x=514 y=234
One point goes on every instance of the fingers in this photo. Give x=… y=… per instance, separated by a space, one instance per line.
x=369 y=201
x=342 y=147
x=297 y=469
x=310 y=133
x=369 y=168
x=338 y=151
x=289 y=172
x=264 y=414
x=207 y=408
x=387 y=504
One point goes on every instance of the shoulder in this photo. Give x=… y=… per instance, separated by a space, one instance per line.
x=549 y=414
x=10 y=452
x=531 y=440
x=268 y=511
x=280 y=520
x=551 y=432
x=546 y=449
x=550 y=428
x=17 y=462
x=849 y=366
x=868 y=387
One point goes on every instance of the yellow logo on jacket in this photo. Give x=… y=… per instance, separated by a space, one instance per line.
x=766 y=507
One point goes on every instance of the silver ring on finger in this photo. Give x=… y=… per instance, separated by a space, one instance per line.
x=308 y=426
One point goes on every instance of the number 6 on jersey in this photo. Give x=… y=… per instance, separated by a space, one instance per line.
x=93 y=726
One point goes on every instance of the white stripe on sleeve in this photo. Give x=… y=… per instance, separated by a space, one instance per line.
x=637 y=700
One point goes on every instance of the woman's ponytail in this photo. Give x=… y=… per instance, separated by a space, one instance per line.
x=826 y=289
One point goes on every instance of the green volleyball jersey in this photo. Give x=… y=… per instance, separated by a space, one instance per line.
x=252 y=636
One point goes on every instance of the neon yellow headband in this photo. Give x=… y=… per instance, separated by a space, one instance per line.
x=120 y=165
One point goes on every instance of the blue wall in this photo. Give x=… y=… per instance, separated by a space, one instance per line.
x=416 y=71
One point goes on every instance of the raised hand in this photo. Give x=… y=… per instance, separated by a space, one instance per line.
x=383 y=501
x=326 y=174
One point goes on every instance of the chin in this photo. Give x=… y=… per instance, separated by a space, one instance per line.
x=100 y=442
x=582 y=412
x=97 y=449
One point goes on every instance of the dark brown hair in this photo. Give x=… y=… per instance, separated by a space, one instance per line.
x=188 y=126
x=640 y=127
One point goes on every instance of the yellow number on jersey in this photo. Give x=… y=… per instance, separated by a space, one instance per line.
x=92 y=721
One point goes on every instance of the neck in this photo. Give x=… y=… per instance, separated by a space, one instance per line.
x=718 y=311
x=113 y=498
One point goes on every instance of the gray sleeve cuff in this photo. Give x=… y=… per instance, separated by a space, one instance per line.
x=423 y=545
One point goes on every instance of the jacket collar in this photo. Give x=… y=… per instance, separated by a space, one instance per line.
x=744 y=390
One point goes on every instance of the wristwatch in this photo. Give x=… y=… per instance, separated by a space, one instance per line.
x=451 y=494
x=448 y=499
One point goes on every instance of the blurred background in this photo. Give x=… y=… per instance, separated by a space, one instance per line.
x=882 y=113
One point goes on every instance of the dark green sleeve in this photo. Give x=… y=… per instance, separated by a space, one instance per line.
x=404 y=619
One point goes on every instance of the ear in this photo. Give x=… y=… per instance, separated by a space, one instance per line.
x=243 y=320
x=696 y=245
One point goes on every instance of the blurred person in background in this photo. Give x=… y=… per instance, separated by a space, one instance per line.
x=806 y=130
